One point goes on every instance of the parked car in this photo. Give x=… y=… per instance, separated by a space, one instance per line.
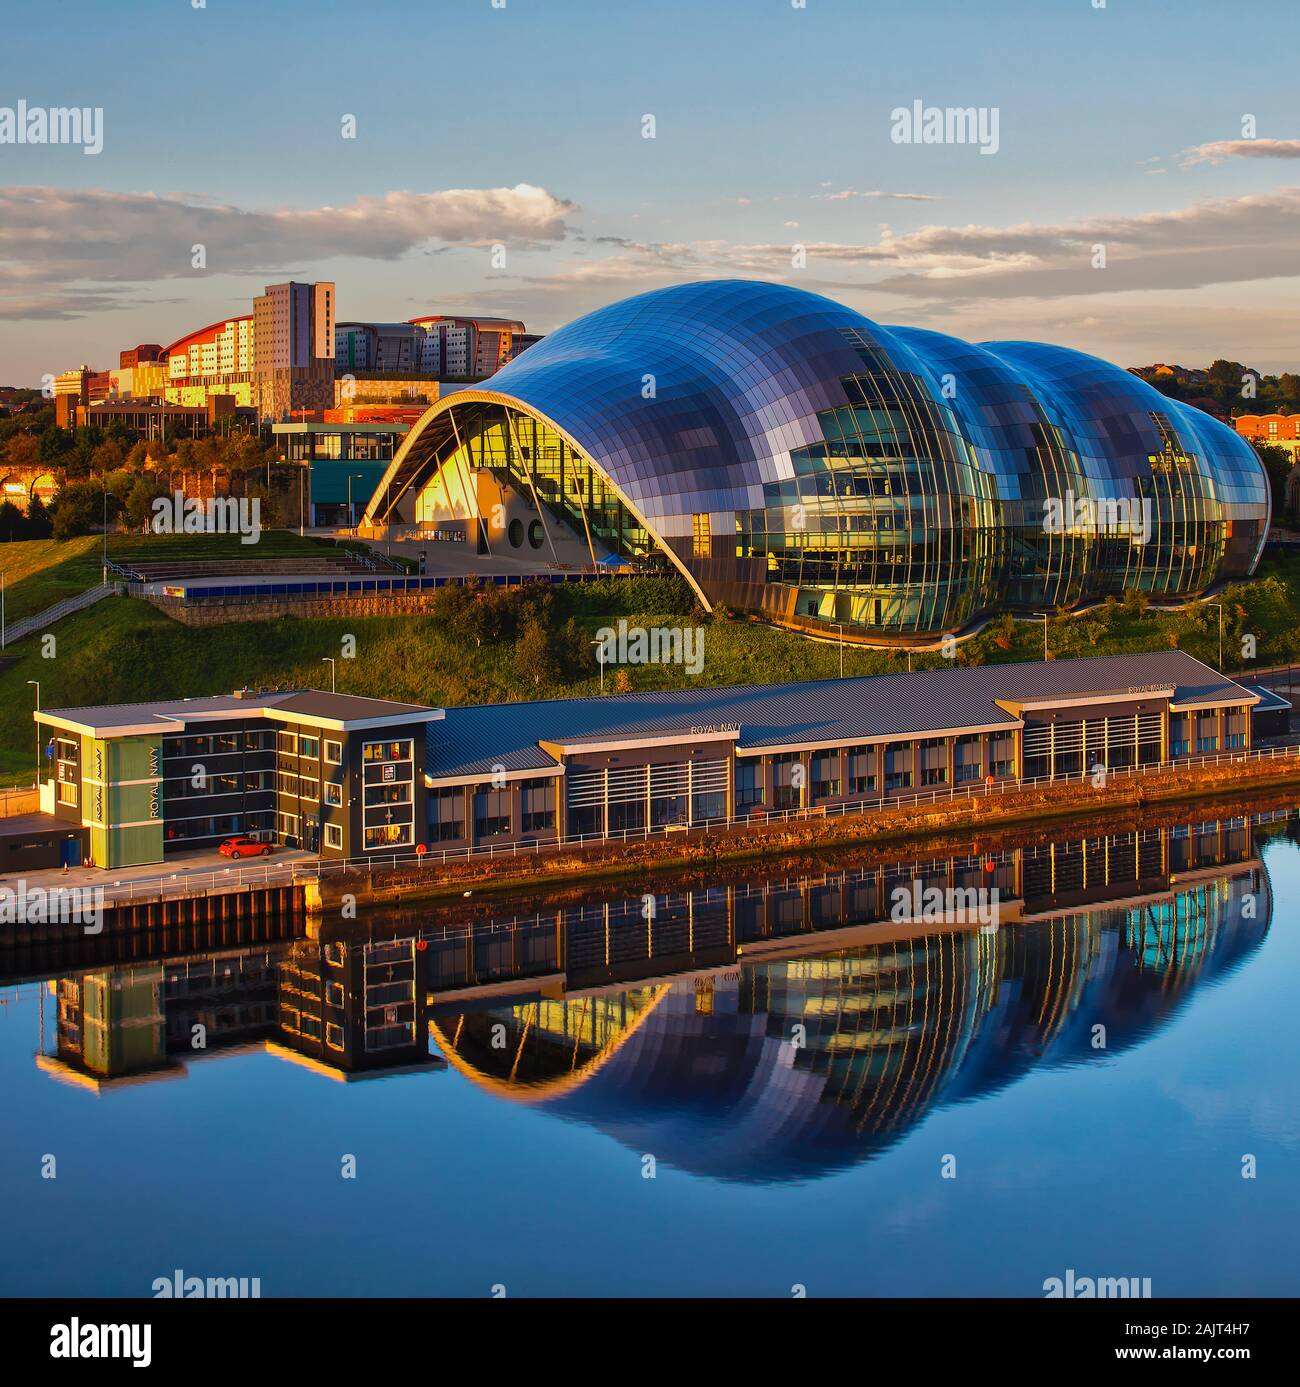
x=245 y=847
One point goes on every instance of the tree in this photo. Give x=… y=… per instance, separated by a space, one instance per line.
x=39 y=524
x=13 y=523
x=536 y=656
x=78 y=509
x=1277 y=463
x=139 y=503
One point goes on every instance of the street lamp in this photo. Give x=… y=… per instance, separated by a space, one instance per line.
x=1219 y=605
x=839 y=626
x=600 y=660
x=329 y=660
x=1042 y=616
x=352 y=520
x=37 y=781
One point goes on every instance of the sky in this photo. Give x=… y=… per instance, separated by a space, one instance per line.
x=498 y=163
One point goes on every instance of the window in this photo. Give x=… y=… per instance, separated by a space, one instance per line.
x=491 y=812
x=537 y=805
x=333 y=792
x=898 y=767
x=702 y=536
x=862 y=770
x=826 y=775
x=67 y=792
x=447 y=813
x=388 y=835
x=309 y=789
x=334 y=835
x=309 y=746
x=788 y=780
x=749 y=784
x=387 y=751
x=287 y=742
x=334 y=753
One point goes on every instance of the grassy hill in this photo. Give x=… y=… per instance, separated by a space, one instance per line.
x=41 y=572
x=124 y=650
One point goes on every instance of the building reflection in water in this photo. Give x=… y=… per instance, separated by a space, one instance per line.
x=348 y=1010
x=765 y=1032
x=789 y=1067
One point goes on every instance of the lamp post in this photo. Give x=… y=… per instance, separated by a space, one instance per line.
x=1042 y=616
x=839 y=626
x=352 y=520
x=600 y=660
x=1219 y=605
x=37 y=782
x=329 y=660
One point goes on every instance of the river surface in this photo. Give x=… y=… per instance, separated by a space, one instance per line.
x=735 y=1087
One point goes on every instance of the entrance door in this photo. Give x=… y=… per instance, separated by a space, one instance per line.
x=70 y=852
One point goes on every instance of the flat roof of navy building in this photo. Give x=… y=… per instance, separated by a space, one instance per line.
x=475 y=740
x=284 y=705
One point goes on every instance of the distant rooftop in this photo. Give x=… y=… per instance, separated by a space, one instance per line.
x=284 y=705
x=472 y=741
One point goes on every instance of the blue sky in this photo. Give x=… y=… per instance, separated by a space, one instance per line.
x=521 y=126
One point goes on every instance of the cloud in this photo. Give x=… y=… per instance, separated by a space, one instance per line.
x=846 y=194
x=55 y=240
x=937 y=270
x=1218 y=150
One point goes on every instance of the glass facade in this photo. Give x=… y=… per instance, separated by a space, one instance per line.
x=795 y=459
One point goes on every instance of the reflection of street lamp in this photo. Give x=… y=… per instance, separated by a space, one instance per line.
x=600 y=660
x=839 y=626
x=37 y=781
x=1219 y=605
x=329 y=660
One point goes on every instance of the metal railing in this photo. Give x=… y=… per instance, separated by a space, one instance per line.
x=17 y=630
x=182 y=884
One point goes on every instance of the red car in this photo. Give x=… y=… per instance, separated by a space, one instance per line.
x=244 y=847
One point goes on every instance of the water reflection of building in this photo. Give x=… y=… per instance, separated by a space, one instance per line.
x=345 y=1009
x=788 y=1067
x=761 y=1031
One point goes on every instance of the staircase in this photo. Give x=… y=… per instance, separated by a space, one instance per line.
x=17 y=630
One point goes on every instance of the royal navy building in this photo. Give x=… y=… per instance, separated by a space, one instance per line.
x=352 y=777
x=595 y=767
x=331 y=773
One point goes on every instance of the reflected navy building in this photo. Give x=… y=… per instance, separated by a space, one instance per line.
x=765 y=1031
x=706 y=1073
x=793 y=458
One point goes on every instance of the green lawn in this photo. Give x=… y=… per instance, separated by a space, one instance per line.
x=124 y=650
x=41 y=572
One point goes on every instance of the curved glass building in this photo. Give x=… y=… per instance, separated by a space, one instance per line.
x=796 y=460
